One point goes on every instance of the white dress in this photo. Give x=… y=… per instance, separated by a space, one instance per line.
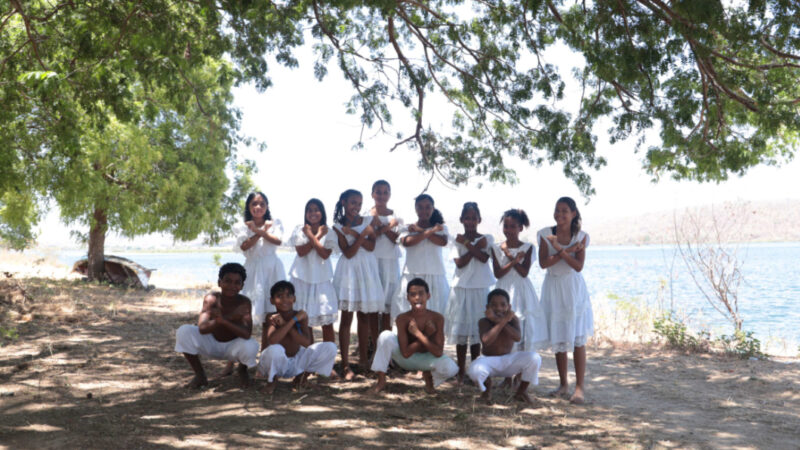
x=356 y=280
x=263 y=268
x=565 y=300
x=425 y=261
x=388 y=254
x=467 y=303
x=312 y=278
x=524 y=301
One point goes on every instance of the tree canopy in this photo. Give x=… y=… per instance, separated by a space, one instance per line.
x=132 y=91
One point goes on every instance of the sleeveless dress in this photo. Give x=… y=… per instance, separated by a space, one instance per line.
x=524 y=301
x=467 y=303
x=263 y=268
x=312 y=279
x=356 y=280
x=388 y=255
x=425 y=261
x=565 y=300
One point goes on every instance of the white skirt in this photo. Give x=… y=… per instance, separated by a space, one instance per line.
x=318 y=300
x=262 y=273
x=358 y=284
x=464 y=309
x=389 y=270
x=526 y=305
x=439 y=291
x=566 y=304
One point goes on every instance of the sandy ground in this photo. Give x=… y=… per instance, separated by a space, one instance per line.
x=86 y=365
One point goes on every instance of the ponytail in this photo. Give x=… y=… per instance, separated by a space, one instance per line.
x=518 y=215
x=575 y=225
x=436 y=217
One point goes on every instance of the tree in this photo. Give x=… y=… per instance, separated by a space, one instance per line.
x=717 y=81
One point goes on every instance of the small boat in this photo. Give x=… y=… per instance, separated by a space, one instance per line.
x=119 y=270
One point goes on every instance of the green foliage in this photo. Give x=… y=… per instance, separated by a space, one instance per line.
x=677 y=336
x=10 y=334
x=217 y=259
x=742 y=344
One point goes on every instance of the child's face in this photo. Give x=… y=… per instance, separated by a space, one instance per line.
x=381 y=195
x=283 y=300
x=418 y=297
x=470 y=220
x=424 y=210
x=563 y=214
x=499 y=305
x=230 y=284
x=352 y=206
x=511 y=228
x=258 y=206
x=313 y=214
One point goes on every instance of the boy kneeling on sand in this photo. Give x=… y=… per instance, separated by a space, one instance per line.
x=499 y=330
x=287 y=342
x=223 y=328
x=418 y=344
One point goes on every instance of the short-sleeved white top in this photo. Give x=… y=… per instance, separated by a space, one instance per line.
x=425 y=257
x=561 y=267
x=312 y=268
x=475 y=274
x=262 y=247
x=384 y=248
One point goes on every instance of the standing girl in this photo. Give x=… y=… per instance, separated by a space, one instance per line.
x=386 y=251
x=423 y=241
x=356 y=278
x=511 y=261
x=258 y=239
x=311 y=272
x=562 y=251
x=471 y=283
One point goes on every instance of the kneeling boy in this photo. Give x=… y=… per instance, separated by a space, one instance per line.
x=418 y=344
x=499 y=331
x=287 y=349
x=223 y=329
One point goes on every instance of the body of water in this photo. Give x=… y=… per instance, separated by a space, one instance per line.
x=655 y=275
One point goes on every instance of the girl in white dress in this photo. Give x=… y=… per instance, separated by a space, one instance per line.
x=386 y=251
x=258 y=238
x=311 y=272
x=423 y=242
x=356 y=278
x=511 y=261
x=565 y=299
x=471 y=282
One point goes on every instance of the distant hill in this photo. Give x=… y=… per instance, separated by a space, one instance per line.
x=777 y=221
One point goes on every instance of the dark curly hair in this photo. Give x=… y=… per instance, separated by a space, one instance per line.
x=338 y=210
x=468 y=206
x=518 y=215
x=232 y=267
x=280 y=286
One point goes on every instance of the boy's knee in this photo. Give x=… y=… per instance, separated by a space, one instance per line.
x=184 y=331
x=274 y=351
x=385 y=338
x=328 y=347
x=532 y=359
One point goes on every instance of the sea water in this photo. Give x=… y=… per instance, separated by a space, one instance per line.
x=654 y=275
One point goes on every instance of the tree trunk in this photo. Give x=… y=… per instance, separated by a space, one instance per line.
x=97 y=242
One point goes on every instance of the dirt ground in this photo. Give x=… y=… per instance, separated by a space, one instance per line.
x=85 y=365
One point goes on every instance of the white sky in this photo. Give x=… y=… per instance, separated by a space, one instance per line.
x=310 y=137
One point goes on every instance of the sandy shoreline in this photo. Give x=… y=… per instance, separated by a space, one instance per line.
x=93 y=366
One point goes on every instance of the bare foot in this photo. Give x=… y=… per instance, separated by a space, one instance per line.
x=244 y=377
x=348 y=374
x=269 y=388
x=560 y=392
x=226 y=371
x=429 y=383
x=300 y=382
x=577 y=397
x=524 y=398
x=507 y=384
x=197 y=382
x=379 y=385
x=333 y=375
x=486 y=396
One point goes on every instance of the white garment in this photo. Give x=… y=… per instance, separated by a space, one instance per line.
x=527 y=363
x=312 y=277
x=464 y=309
x=188 y=339
x=475 y=274
x=356 y=280
x=524 y=301
x=263 y=268
x=388 y=255
x=565 y=300
x=425 y=261
x=441 y=368
x=317 y=358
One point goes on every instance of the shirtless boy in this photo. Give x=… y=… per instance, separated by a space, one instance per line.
x=418 y=344
x=499 y=330
x=287 y=343
x=223 y=329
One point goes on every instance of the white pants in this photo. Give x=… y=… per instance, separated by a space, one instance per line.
x=317 y=358
x=441 y=368
x=188 y=339
x=506 y=366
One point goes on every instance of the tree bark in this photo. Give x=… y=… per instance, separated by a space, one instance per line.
x=97 y=241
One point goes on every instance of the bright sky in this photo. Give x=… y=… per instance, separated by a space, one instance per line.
x=309 y=153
